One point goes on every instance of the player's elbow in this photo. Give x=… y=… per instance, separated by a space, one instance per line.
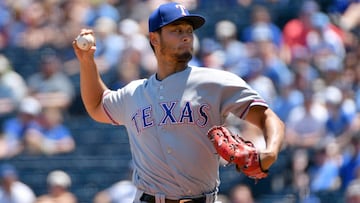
x=98 y=115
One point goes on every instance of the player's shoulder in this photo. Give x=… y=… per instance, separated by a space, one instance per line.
x=210 y=70
x=135 y=83
x=131 y=87
x=213 y=73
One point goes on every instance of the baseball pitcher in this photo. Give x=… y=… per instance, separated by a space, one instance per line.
x=175 y=118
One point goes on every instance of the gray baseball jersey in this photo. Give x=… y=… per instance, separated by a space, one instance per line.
x=167 y=122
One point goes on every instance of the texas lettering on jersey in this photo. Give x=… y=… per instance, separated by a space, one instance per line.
x=187 y=113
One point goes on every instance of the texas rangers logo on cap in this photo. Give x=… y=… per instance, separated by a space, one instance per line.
x=171 y=12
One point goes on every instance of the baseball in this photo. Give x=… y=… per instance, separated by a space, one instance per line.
x=85 y=42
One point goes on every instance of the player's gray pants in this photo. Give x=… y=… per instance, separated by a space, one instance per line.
x=210 y=197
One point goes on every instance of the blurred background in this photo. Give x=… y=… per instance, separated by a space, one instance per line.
x=302 y=56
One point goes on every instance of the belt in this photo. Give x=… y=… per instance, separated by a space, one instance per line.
x=151 y=199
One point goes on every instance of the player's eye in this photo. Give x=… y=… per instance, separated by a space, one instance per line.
x=178 y=30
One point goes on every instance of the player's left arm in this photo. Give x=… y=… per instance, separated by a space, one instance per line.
x=273 y=130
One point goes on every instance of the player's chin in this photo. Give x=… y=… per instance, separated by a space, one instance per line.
x=184 y=57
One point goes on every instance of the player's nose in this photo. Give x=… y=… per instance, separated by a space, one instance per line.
x=187 y=37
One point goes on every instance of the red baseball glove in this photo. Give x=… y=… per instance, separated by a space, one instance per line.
x=235 y=149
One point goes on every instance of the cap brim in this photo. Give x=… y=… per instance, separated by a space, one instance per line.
x=196 y=20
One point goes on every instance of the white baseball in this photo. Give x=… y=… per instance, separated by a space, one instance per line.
x=85 y=42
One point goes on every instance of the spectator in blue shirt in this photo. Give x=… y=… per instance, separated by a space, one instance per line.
x=14 y=128
x=52 y=136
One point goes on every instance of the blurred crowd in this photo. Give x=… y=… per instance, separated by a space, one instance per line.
x=302 y=56
x=14 y=190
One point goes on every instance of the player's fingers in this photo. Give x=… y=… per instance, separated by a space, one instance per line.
x=83 y=54
x=85 y=31
x=93 y=48
x=74 y=44
x=77 y=50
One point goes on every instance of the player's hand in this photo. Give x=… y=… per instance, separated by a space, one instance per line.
x=83 y=55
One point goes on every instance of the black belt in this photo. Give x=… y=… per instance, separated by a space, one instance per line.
x=151 y=199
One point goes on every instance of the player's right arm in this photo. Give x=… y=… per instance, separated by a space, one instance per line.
x=91 y=85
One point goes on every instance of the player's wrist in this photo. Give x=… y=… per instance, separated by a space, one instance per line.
x=267 y=159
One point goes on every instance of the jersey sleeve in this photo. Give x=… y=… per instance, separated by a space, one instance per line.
x=238 y=97
x=118 y=104
x=113 y=105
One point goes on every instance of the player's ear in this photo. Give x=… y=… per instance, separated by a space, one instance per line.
x=154 y=39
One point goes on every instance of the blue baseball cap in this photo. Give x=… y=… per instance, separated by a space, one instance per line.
x=171 y=12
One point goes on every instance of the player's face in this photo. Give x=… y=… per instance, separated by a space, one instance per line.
x=176 y=41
